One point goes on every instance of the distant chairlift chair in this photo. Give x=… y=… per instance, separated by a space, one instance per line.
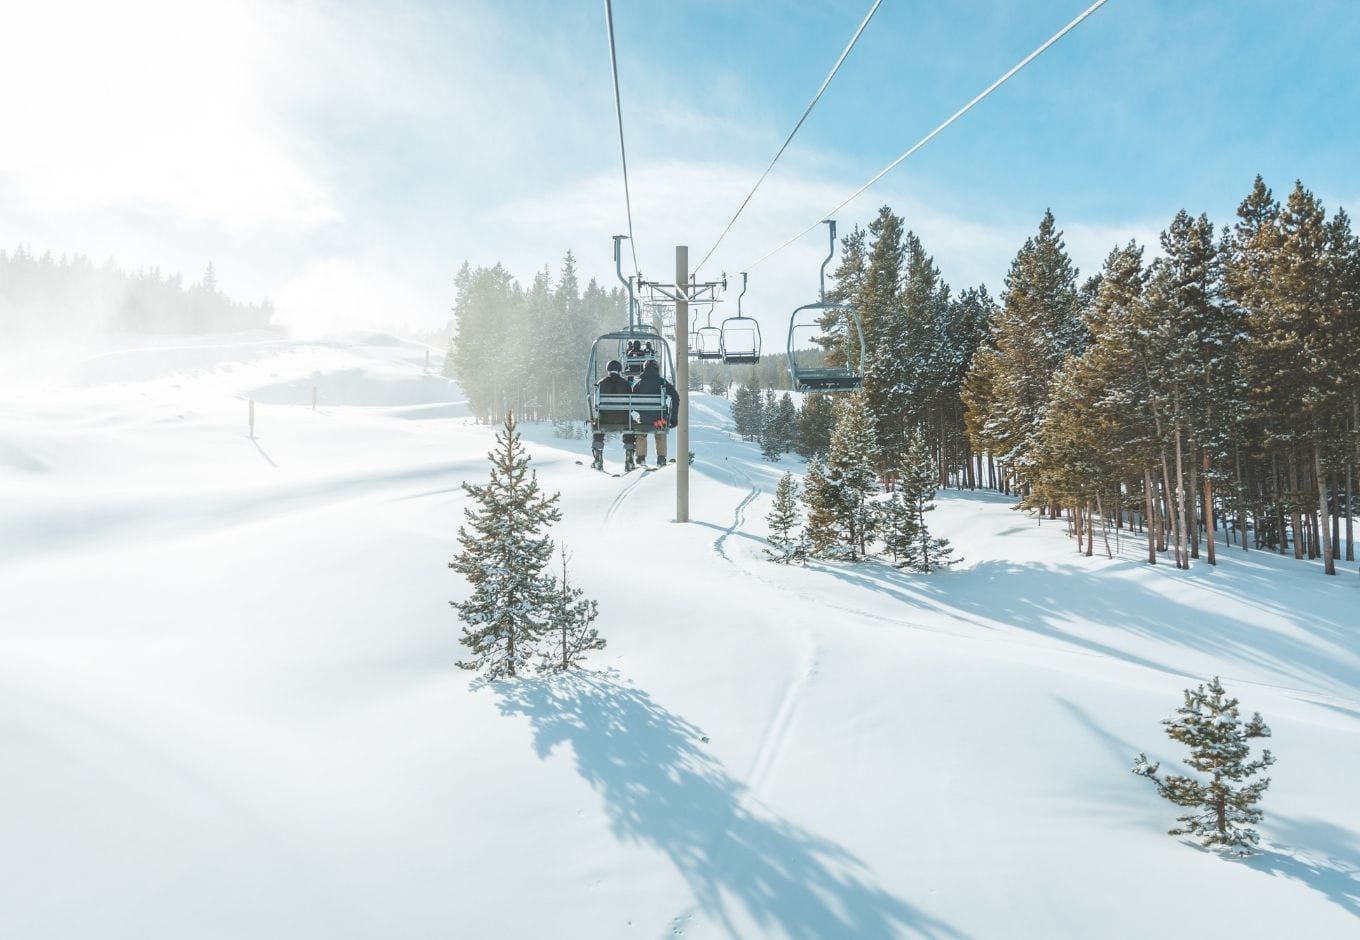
x=739 y=341
x=806 y=367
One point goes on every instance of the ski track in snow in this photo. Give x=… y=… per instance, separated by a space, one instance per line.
x=622 y=496
x=774 y=742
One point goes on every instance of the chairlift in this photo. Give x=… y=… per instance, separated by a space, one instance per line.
x=632 y=348
x=739 y=341
x=806 y=366
x=707 y=340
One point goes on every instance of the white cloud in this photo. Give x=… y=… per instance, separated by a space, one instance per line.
x=151 y=107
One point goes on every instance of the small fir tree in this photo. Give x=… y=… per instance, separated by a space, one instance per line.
x=899 y=529
x=506 y=551
x=572 y=634
x=822 y=532
x=786 y=543
x=917 y=481
x=1209 y=724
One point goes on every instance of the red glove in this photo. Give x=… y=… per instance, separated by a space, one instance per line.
x=659 y=424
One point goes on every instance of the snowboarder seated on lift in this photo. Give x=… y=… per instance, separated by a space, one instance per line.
x=612 y=384
x=652 y=383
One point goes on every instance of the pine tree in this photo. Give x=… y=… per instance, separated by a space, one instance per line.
x=1210 y=726
x=916 y=483
x=850 y=475
x=786 y=544
x=780 y=428
x=746 y=412
x=571 y=632
x=1037 y=327
x=505 y=555
x=822 y=533
x=815 y=420
x=899 y=529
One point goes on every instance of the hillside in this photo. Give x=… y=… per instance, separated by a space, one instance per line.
x=230 y=707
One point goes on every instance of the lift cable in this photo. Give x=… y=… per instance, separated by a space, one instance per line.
x=926 y=139
x=806 y=111
x=618 y=112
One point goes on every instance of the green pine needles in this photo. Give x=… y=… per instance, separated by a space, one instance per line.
x=518 y=612
x=1222 y=812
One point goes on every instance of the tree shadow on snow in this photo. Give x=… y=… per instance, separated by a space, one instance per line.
x=1330 y=863
x=661 y=789
x=1054 y=601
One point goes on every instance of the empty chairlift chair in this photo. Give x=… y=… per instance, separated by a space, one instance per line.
x=740 y=336
x=837 y=330
x=707 y=340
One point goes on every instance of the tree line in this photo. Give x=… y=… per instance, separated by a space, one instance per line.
x=523 y=350
x=1214 y=386
x=42 y=295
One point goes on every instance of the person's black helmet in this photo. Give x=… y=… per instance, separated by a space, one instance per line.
x=614 y=366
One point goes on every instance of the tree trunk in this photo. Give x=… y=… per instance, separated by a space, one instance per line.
x=1209 y=528
x=1192 y=500
x=1295 y=514
x=1335 y=515
x=1349 y=509
x=1090 y=528
x=1169 y=500
x=1328 y=564
x=1104 y=529
x=1182 y=533
x=1149 y=517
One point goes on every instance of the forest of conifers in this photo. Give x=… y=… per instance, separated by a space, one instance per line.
x=45 y=296
x=1208 y=391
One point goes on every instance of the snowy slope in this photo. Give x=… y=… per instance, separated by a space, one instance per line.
x=228 y=705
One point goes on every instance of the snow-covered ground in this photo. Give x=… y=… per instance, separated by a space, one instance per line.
x=228 y=704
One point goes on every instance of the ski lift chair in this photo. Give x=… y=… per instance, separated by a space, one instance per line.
x=739 y=340
x=619 y=412
x=806 y=369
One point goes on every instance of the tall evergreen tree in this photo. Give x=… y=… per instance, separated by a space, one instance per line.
x=851 y=476
x=786 y=542
x=505 y=554
x=1037 y=327
x=815 y=420
x=822 y=533
x=1209 y=724
x=919 y=550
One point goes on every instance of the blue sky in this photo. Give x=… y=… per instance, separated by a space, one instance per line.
x=345 y=158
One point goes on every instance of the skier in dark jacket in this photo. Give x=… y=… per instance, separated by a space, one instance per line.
x=613 y=383
x=650 y=385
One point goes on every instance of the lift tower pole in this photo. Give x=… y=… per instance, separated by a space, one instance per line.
x=682 y=382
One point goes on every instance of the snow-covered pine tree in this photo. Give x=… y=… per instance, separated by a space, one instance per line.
x=746 y=412
x=850 y=471
x=899 y=529
x=822 y=532
x=1209 y=724
x=815 y=420
x=505 y=555
x=786 y=542
x=780 y=429
x=917 y=482
x=571 y=632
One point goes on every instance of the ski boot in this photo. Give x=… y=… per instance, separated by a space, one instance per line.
x=597 y=459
